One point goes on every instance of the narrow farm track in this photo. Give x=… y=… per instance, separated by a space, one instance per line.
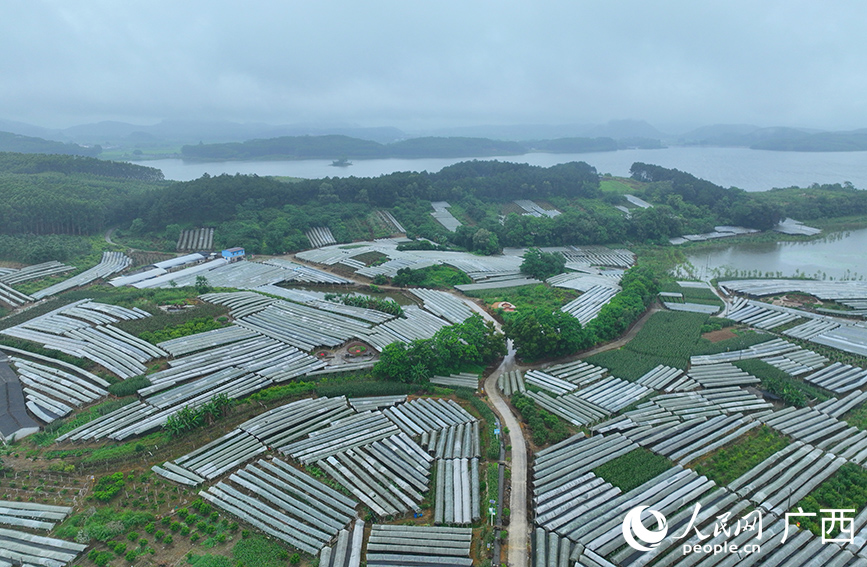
x=519 y=526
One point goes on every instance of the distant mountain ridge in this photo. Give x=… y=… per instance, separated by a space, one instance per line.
x=17 y=143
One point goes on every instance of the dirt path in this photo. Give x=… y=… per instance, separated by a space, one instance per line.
x=108 y=235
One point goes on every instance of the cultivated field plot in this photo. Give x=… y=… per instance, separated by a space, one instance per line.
x=196 y=239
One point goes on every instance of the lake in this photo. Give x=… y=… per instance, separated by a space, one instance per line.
x=752 y=170
x=838 y=255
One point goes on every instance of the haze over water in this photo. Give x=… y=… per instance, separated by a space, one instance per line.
x=752 y=170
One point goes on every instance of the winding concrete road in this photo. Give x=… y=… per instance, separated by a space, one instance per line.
x=519 y=528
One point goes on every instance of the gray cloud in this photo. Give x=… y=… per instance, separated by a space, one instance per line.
x=437 y=63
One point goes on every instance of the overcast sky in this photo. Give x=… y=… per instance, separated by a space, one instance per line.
x=415 y=64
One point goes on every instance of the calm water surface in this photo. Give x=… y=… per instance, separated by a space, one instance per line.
x=838 y=255
x=752 y=170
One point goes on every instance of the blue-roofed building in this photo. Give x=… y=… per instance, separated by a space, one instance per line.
x=232 y=254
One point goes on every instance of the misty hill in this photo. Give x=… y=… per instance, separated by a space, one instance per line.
x=335 y=147
x=10 y=142
x=852 y=141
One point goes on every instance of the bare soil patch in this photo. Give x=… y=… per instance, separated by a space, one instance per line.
x=721 y=335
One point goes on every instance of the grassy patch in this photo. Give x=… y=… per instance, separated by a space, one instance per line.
x=633 y=469
x=208 y=560
x=615 y=185
x=857 y=417
x=439 y=276
x=257 y=551
x=736 y=458
x=846 y=488
x=668 y=337
x=793 y=391
x=528 y=296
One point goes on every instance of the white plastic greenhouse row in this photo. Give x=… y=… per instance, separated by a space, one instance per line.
x=511 y=382
x=721 y=375
x=535 y=210
x=693 y=307
x=581 y=281
x=240 y=303
x=577 y=372
x=758 y=314
x=551 y=550
x=23 y=548
x=292 y=421
x=443 y=216
x=838 y=407
x=51 y=392
x=601 y=256
x=285 y=503
x=596 y=521
x=462 y=380
x=304 y=327
x=419 y=546
x=786 y=477
x=101 y=352
x=140 y=417
x=207 y=340
x=341 y=435
x=613 y=394
x=807 y=331
x=821 y=289
x=111 y=263
x=498 y=283
x=797 y=362
x=346 y=552
x=456 y=499
x=557 y=469
x=389 y=476
x=425 y=415
x=241 y=354
x=839 y=377
x=773 y=347
x=458 y=441
x=695 y=438
x=547 y=382
x=375 y=402
x=389 y=219
x=32 y=515
x=443 y=304
x=848 y=338
x=13 y=277
x=273 y=428
x=823 y=431
x=12 y=297
x=667 y=379
x=368 y=315
x=391 y=267
x=570 y=407
x=196 y=239
x=305 y=274
x=417 y=324
x=587 y=306
x=320 y=236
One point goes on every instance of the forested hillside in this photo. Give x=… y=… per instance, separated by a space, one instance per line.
x=10 y=142
x=72 y=195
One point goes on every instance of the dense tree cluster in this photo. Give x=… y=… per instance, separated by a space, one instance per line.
x=638 y=290
x=697 y=198
x=11 y=162
x=542 y=265
x=541 y=333
x=472 y=342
